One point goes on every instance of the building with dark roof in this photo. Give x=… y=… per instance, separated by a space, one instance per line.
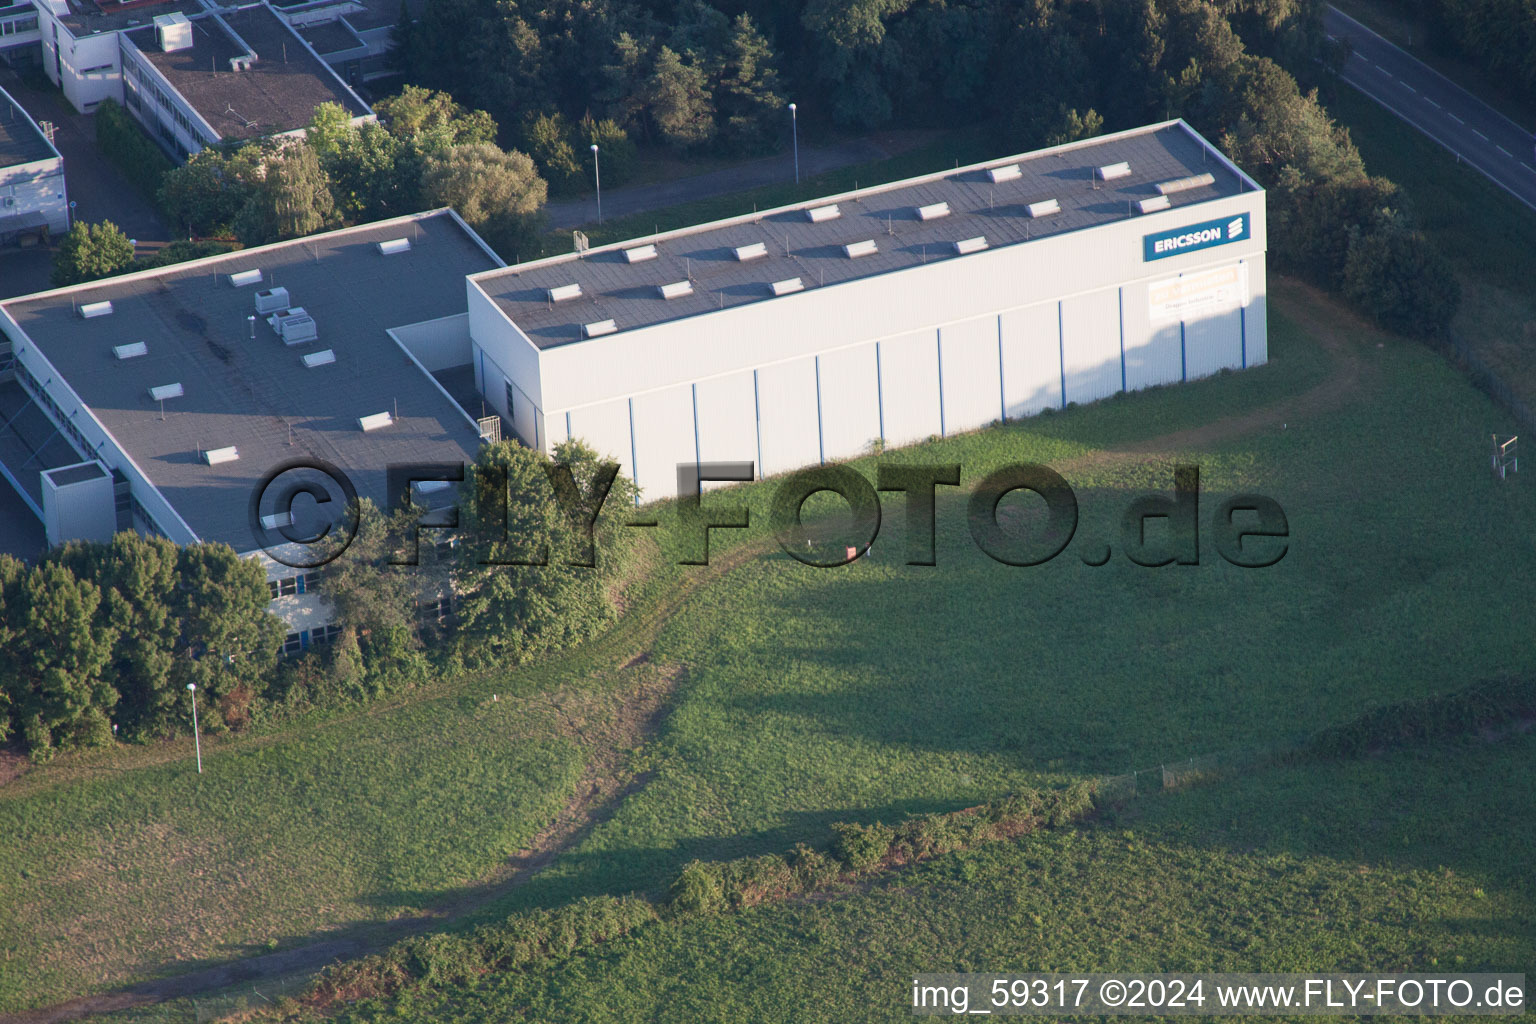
x=938 y=304
x=33 y=199
x=176 y=381
x=194 y=72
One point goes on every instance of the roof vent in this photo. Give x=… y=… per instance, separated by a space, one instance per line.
x=1044 y=208
x=138 y=348
x=787 y=287
x=374 y=422
x=933 y=211
x=214 y=456
x=755 y=251
x=1153 y=205
x=865 y=248
x=1109 y=172
x=94 y=309
x=325 y=357
x=1168 y=188
x=817 y=214
x=600 y=328
x=675 y=290
x=970 y=245
x=564 y=292
x=394 y=245
x=639 y=254
x=272 y=300
x=165 y=391
x=242 y=62
x=1007 y=172
x=277 y=520
x=244 y=278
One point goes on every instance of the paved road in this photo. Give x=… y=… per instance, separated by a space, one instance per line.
x=1481 y=136
x=773 y=170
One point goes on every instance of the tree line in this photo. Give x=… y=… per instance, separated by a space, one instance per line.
x=100 y=640
x=697 y=77
x=1497 y=35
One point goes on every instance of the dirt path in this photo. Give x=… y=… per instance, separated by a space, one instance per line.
x=610 y=734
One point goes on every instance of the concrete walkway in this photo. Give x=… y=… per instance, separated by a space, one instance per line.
x=773 y=170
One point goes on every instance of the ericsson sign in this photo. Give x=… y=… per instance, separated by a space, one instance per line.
x=1196 y=236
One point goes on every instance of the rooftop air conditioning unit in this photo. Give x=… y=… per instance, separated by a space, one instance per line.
x=173 y=32
x=272 y=300
x=298 y=330
x=325 y=357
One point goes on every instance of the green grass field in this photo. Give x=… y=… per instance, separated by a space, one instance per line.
x=867 y=692
x=1246 y=874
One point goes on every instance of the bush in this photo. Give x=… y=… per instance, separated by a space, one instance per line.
x=132 y=152
x=698 y=890
x=861 y=847
x=1440 y=717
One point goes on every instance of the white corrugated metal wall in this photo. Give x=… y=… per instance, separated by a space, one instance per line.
x=907 y=388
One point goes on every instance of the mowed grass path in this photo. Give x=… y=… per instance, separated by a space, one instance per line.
x=1414 y=862
x=865 y=692
x=879 y=689
x=133 y=872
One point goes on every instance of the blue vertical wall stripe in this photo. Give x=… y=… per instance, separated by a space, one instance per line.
x=1242 y=320
x=1061 y=350
x=821 y=441
x=938 y=346
x=1002 y=390
x=1121 y=294
x=879 y=393
x=634 y=461
x=569 y=436
x=698 y=454
x=757 y=425
x=1183 y=357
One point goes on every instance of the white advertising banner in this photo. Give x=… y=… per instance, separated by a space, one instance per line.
x=1198 y=294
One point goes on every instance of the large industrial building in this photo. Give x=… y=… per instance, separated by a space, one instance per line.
x=161 y=401
x=926 y=307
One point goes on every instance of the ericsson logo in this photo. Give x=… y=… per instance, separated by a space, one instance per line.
x=1195 y=236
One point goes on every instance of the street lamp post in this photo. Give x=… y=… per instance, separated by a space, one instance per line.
x=794 y=131
x=597 y=175
x=196 y=739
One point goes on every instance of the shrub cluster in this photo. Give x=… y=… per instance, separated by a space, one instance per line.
x=134 y=154
x=1439 y=717
x=702 y=889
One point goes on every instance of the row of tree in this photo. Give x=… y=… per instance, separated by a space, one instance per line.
x=1498 y=35
x=424 y=151
x=100 y=640
x=688 y=75
x=104 y=634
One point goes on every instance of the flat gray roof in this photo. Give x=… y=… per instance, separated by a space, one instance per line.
x=87 y=16
x=614 y=289
x=278 y=93
x=66 y=475
x=257 y=395
x=20 y=140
